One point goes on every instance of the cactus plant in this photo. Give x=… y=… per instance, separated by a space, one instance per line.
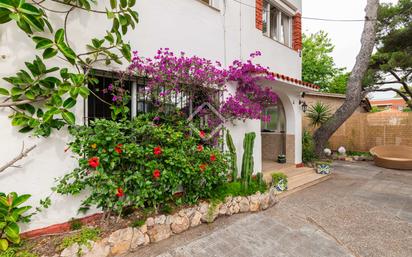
x=233 y=157
x=247 y=160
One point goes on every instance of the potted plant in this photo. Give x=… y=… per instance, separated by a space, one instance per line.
x=281 y=158
x=323 y=167
x=280 y=181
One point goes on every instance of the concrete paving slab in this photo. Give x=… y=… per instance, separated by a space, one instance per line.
x=362 y=210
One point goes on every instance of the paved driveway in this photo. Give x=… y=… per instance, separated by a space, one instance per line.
x=361 y=211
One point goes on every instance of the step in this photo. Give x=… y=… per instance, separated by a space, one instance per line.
x=291 y=172
x=296 y=182
x=303 y=186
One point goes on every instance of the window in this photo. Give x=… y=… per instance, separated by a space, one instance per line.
x=277 y=121
x=99 y=101
x=213 y=3
x=141 y=100
x=277 y=24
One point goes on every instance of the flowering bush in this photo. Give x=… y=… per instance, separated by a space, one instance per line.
x=142 y=163
x=202 y=79
x=250 y=98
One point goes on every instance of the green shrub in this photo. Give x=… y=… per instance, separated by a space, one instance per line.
x=308 y=148
x=357 y=153
x=16 y=252
x=323 y=162
x=11 y=213
x=138 y=223
x=276 y=177
x=143 y=163
x=237 y=189
x=75 y=224
x=318 y=114
x=82 y=238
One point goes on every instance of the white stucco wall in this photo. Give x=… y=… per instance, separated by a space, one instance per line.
x=182 y=25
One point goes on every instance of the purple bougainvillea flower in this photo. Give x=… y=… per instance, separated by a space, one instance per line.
x=114 y=99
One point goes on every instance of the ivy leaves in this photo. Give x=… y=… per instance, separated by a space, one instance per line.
x=42 y=97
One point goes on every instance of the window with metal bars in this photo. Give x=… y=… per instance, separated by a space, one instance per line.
x=142 y=100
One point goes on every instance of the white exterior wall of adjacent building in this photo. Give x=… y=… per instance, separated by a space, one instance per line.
x=181 y=25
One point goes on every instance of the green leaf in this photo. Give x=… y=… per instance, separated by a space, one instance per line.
x=39 y=113
x=20 y=199
x=7 y=4
x=30 y=94
x=110 y=15
x=21 y=210
x=25 y=129
x=30 y=108
x=132 y=3
x=84 y=91
x=113 y=3
x=4 y=244
x=4 y=16
x=12 y=230
x=74 y=92
x=23 y=25
x=59 y=36
x=123 y=20
x=15 y=91
x=49 y=53
x=4 y=91
x=45 y=43
x=49 y=26
x=123 y=3
x=67 y=52
x=29 y=9
x=56 y=100
x=135 y=15
x=126 y=51
x=37 y=24
x=69 y=103
x=49 y=114
x=69 y=117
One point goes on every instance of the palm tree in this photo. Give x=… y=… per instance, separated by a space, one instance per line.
x=318 y=114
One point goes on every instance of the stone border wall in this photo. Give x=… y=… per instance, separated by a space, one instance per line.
x=161 y=227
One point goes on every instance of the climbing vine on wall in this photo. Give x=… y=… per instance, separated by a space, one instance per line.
x=42 y=97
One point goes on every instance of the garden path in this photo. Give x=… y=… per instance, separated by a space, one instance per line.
x=362 y=210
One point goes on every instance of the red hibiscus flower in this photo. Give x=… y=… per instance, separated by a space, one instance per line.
x=94 y=162
x=156 y=174
x=118 y=148
x=200 y=148
x=202 y=167
x=157 y=150
x=120 y=192
x=202 y=134
x=212 y=157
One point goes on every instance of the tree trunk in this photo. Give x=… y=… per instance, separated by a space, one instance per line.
x=354 y=87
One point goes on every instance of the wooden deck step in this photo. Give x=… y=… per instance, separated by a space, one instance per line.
x=298 y=178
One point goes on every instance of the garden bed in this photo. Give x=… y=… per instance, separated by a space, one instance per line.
x=117 y=236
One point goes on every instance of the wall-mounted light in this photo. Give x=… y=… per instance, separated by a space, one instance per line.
x=302 y=102
x=303 y=105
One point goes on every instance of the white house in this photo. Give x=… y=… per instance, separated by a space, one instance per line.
x=222 y=30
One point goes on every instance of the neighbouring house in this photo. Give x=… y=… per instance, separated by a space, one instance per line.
x=389 y=104
x=222 y=30
x=334 y=101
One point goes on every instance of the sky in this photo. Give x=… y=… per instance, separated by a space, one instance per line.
x=345 y=35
